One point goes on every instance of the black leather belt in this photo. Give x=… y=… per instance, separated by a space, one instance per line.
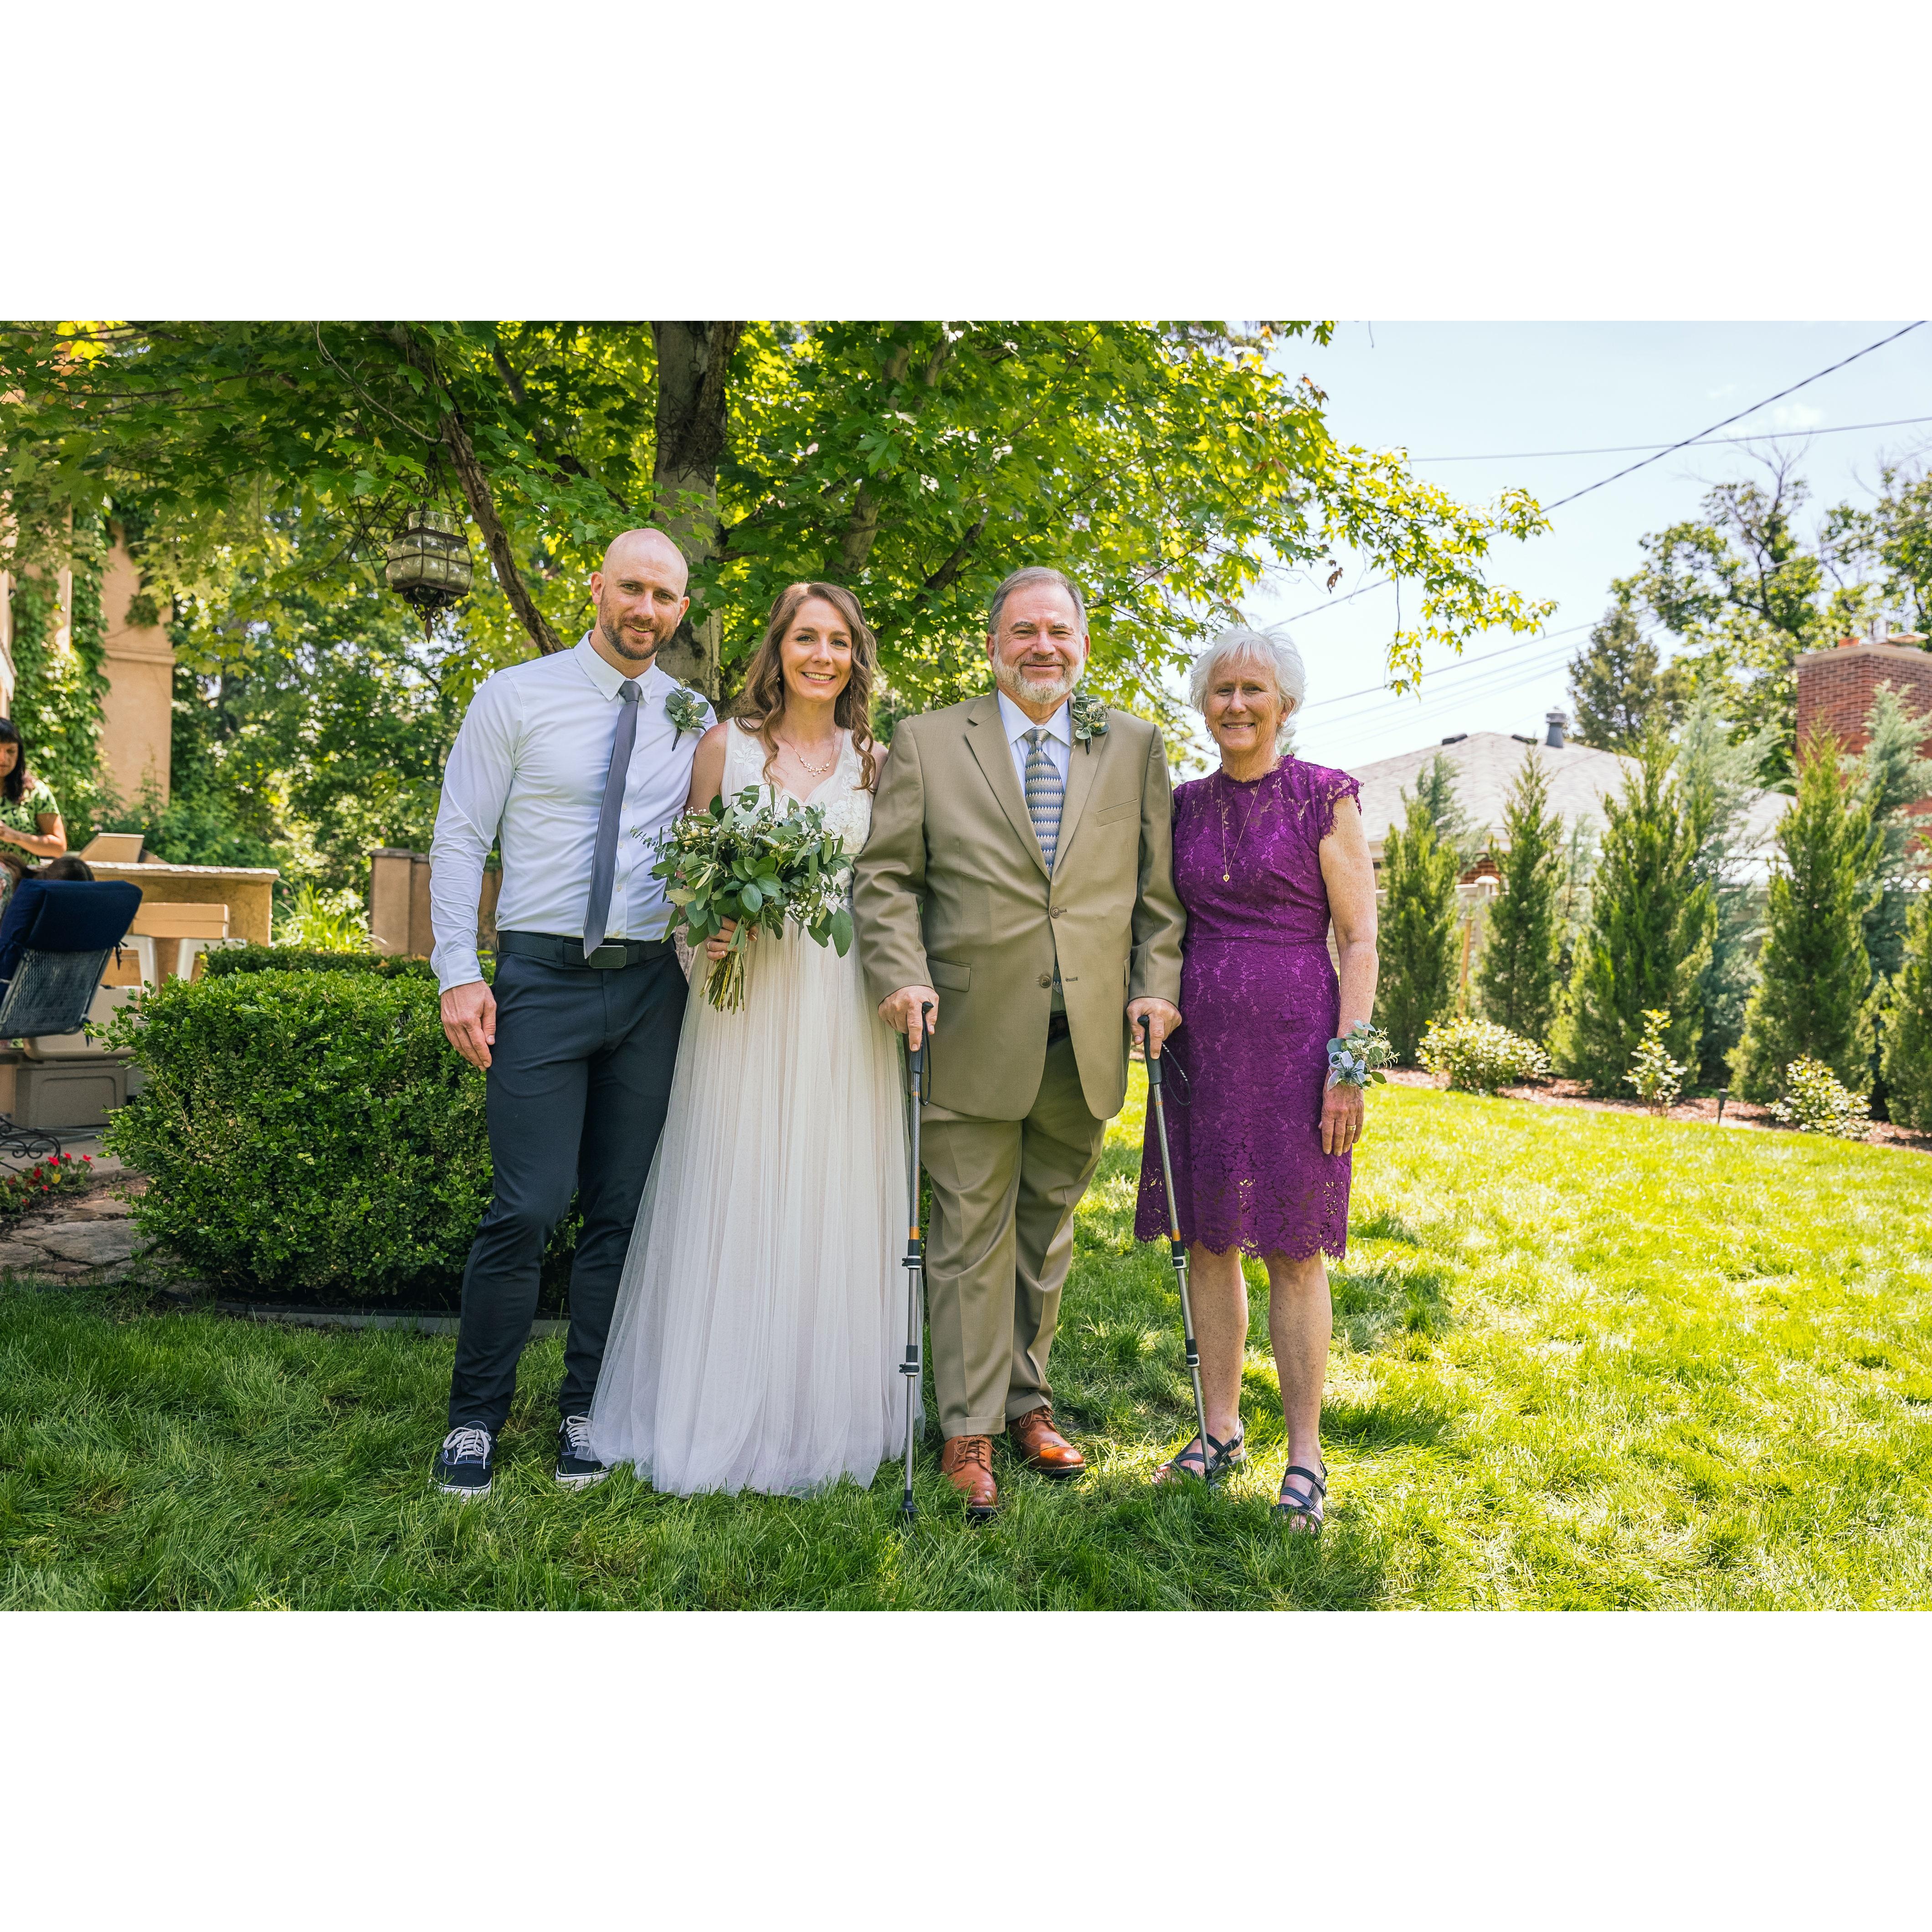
x=554 y=951
x=1056 y=1027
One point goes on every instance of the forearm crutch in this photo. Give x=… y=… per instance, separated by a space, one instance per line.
x=915 y=1255
x=1176 y=1247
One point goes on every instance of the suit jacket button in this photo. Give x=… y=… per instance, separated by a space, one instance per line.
x=1053 y=912
x=1046 y=979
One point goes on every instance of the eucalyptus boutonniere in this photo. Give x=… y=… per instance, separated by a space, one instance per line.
x=1089 y=719
x=685 y=710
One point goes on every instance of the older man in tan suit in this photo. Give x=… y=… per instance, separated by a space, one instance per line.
x=1018 y=879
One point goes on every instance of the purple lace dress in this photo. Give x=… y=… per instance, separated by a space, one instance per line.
x=1259 y=1002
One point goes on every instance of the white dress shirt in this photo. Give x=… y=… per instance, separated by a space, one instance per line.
x=529 y=766
x=1058 y=745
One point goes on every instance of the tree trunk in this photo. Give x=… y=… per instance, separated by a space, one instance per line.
x=482 y=503
x=693 y=372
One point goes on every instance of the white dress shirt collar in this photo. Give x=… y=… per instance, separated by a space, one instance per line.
x=608 y=679
x=1017 y=724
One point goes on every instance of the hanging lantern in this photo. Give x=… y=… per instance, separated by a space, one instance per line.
x=429 y=563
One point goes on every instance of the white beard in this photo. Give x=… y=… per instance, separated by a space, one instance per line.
x=1024 y=690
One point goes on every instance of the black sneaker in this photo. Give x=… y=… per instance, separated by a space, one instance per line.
x=465 y=1462
x=577 y=1469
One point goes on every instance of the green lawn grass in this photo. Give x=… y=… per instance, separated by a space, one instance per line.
x=1582 y=1361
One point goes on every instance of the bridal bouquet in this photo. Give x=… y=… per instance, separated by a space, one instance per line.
x=741 y=859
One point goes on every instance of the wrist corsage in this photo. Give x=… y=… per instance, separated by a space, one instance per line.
x=1088 y=716
x=1358 y=1060
x=686 y=711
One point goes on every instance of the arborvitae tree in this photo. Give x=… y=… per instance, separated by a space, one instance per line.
x=1908 y=1023
x=1517 y=979
x=1651 y=921
x=1813 y=1000
x=1619 y=693
x=1892 y=776
x=1720 y=775
x=1578 y=867
x=1435 y=787
x=1417 y=931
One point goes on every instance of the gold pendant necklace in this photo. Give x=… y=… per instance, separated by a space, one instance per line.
x=1255 y=811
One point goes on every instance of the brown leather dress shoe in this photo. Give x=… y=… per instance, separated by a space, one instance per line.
x=966 y=1462
x=1042 y=1447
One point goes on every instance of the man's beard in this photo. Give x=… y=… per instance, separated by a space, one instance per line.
x=616 y=639
x=1028 y=691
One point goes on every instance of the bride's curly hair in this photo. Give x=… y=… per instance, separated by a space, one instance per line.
x=761 y=699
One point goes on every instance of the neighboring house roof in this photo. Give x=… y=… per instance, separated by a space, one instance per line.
x=1486 y=764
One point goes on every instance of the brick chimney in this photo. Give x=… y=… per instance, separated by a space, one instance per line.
x=1835 y=688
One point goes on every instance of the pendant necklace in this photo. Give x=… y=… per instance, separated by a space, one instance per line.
x=817 y=771
x=1255 y=810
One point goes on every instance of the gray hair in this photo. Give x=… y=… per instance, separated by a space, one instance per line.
x=1023 y=580
x=1278 y=654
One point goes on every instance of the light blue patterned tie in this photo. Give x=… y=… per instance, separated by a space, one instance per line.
x=1043 y=792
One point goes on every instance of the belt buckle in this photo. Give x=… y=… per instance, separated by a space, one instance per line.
x=613 y=953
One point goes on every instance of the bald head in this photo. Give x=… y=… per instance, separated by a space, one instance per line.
x=641 y=599
x=636 y=546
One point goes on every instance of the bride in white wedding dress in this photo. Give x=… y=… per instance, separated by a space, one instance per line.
x=760 y=1324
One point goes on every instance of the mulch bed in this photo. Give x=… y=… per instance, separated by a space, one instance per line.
x=1737 y=1113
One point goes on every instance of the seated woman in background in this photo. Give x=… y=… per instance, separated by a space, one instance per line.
x=30 y=815
x=1267 y=851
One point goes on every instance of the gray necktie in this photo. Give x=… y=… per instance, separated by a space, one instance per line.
x=1043 y=793
x=604 y=863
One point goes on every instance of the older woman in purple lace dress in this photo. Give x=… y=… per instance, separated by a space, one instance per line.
x=1267 y=851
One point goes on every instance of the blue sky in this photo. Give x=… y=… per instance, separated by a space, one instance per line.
x=1494 y=389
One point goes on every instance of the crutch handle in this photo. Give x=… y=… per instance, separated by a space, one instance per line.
x=1146 y=1048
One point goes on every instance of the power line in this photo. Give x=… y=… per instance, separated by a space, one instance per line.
x=1315 y=611
x=1626 y=448
x=1461 y=664
x=1629 y=469
x=1493 y=682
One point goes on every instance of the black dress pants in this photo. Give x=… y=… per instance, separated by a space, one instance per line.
x=579 y=1082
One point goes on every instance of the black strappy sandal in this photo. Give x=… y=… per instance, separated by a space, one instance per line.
x=1302 y=1508
x=1208 y=1464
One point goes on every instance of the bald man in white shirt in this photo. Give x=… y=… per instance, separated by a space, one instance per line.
x=572 y=762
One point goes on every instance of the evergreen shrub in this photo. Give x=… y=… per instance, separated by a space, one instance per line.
x=1517 y=976
x=1417 y=934
x=1908 y=1023
x=1812 y=1002
x=224 y=960
x=1479 y=1056
x=1652 y=919
x=308 y=1131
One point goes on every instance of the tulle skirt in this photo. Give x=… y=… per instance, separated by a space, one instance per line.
x=761 y=1318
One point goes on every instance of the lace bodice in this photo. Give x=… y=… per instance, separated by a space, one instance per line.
x=847 y=806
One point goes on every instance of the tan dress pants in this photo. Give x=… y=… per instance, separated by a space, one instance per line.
x=1001 y=1241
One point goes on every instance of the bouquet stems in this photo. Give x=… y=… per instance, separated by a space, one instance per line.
x=724 y=984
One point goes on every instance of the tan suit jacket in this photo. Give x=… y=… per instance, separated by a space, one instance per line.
x=952 y=893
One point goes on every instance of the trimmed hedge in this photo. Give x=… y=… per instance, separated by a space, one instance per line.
x=305 y=1130
x=224 y=960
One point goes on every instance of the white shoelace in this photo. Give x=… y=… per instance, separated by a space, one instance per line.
x=467 y=1445
x=577 y=1433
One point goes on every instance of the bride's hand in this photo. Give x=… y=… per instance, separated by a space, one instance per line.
x=716 y=948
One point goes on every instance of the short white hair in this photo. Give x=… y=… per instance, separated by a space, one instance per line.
x=1278 y=654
